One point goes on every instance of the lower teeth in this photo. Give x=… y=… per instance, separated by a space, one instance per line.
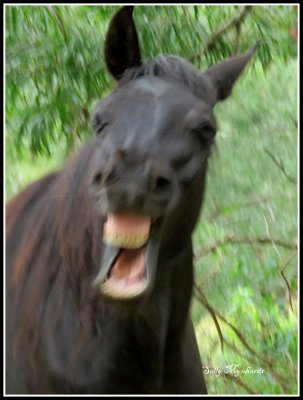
x=123 y=292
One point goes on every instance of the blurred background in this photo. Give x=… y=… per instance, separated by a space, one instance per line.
x=245 y=303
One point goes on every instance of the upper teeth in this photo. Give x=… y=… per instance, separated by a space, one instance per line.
x=126 y=242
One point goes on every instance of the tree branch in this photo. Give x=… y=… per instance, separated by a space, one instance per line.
x=285 y=279
x=240 y=336
x=280 y=165
x=237 y=37
x=235 y=22
x=212 y=312
x=203 y=300
x=240 y=383
x=54 y=13
x=231 y=239
x=252 y=361
x=250 y=202
x=217 y=213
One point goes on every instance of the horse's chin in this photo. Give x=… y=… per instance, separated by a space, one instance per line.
x=129 y=257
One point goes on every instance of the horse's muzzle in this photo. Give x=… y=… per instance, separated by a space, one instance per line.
x=140 y=186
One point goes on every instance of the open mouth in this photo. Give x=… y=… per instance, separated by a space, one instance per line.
x=129 y=256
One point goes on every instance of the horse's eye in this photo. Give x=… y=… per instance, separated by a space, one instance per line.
x=99 y=124
x=205 y=131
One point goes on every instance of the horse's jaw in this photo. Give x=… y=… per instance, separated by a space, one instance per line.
x=129 y=259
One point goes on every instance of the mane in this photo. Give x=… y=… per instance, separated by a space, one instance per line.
x=54 y=237
x=173 y=67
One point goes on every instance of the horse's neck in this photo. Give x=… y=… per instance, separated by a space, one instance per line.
x=111 y=337
x=165 y=313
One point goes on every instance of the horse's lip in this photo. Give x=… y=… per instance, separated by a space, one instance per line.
x=110 y=254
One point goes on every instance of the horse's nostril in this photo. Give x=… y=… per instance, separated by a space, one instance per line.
x=105 y=176
x=161 y=183
x=97 y=178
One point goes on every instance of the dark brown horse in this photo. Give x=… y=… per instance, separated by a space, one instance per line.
x=99 y=253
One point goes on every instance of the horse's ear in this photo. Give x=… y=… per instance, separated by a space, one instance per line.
x=121 y=47
x=225 y=74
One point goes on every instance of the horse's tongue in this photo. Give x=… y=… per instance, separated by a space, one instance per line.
x=130 y=264
x=127 y=276
x=126 y=231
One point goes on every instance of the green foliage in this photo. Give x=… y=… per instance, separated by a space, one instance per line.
x=55 y=68
x=248 y=196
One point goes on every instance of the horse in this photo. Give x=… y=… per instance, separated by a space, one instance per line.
x=99 y=255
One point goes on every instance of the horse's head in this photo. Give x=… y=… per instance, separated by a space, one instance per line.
x=156 y=130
